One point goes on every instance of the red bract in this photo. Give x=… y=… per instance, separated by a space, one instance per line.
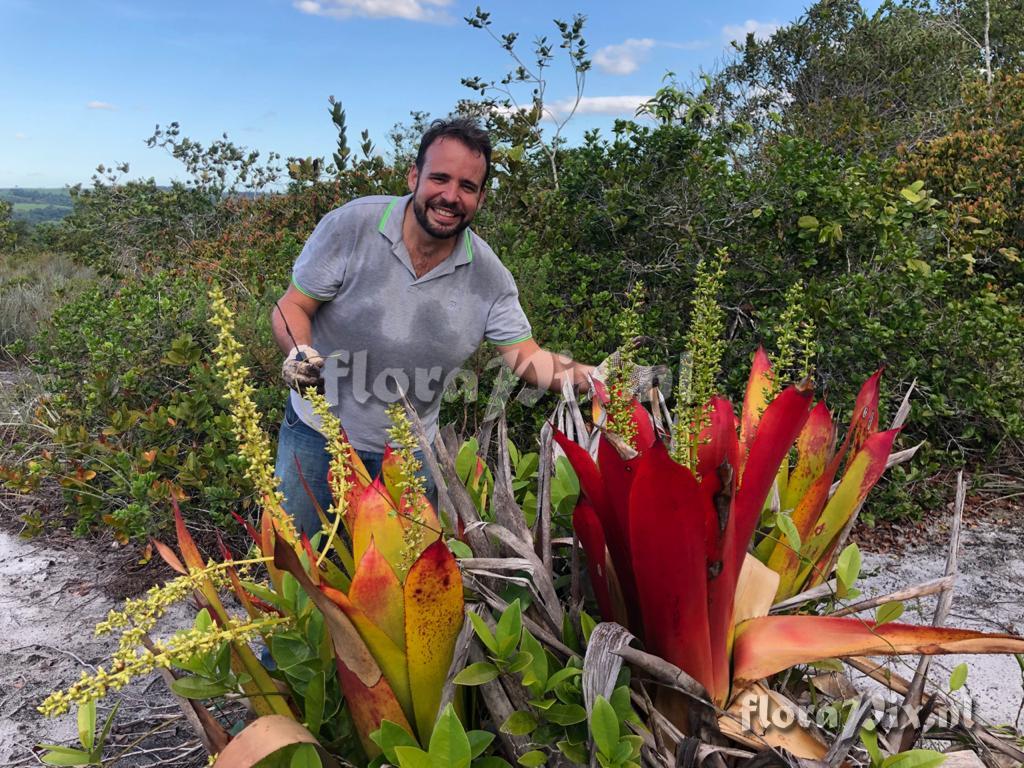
x=666 y=545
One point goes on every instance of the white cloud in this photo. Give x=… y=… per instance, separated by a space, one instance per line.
x=762 y=30
x=19 y=136
x=99 y=105
x=624 y=58
x=596 y=105
x=412 y=10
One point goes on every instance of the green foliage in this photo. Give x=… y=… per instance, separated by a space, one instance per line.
x=451 y=746
x=137 y=411
x=92 y=743
x=557 y=715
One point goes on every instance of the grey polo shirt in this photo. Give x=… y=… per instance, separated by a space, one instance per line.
x=381 y=328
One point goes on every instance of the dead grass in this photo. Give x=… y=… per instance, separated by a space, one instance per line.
x=32 y=285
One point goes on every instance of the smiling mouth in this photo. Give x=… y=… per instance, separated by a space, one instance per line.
x=445 y=214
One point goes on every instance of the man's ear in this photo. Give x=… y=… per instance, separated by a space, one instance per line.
x=412 y=177
x=483 y=195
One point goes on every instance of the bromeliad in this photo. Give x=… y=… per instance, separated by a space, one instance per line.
x=667 y=546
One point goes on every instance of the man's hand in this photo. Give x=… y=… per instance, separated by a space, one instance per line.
x=642 y=377
x=301 y=368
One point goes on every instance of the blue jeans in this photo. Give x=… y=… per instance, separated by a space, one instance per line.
x=298 y=444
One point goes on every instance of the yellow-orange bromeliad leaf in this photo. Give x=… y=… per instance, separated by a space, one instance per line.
x=375 y=517
x=433 y=618
x=377 y=592
x=771 y=644
x=389 y=656
x=367 y=691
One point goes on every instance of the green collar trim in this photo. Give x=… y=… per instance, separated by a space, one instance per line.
x=469 y=247
x=387 y=214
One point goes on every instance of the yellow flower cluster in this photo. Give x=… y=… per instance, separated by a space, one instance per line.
x=125 y=668
x=139 y=615
x=253 y=444
x=338 y=449
x=621 y=375
x=410 y=484
x=705 y=343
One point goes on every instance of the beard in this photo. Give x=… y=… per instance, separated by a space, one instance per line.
x=441 y=232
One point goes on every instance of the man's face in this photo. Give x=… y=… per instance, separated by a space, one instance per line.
x=448 y=190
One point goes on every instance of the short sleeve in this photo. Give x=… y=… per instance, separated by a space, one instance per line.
x=320 y=268
x=506 y=322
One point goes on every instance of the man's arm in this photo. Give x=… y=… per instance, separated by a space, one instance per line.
x=293 y=312
x=544 y=369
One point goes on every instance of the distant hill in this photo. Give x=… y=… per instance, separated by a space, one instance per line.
x=36 y=205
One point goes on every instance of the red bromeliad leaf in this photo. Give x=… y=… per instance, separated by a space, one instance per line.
x=370 y=705
x=760 y=385
x=814 y=448
x=716 y=444
x=645 y=435
x=253 y=533
x=591 y=484
x=591 y=535
x=771 y=644
x=617 y=474
x=667 y=514
x=391 y=471
x=864 y=421
x=717 y=454
x=169 y=557
x=778 y=428
x=186 y=544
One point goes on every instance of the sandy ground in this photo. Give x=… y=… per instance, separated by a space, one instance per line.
x=989 y=596
x=50 y=599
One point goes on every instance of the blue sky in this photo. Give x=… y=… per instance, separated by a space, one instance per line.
x=85 y=82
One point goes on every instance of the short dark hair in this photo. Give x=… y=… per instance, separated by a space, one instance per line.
x=463 y=129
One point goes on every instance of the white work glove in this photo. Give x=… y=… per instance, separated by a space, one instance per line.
x=641 y=378
x=301 y=368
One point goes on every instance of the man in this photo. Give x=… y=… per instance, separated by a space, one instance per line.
x=392 y=295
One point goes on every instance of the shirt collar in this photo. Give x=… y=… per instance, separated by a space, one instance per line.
x=390 y=226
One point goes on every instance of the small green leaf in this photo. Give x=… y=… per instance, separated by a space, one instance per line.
x=510 y=626
x=533 y=758
x=477 y=674
x=788 y=528
x=888 y=612
x=413 y=757
x=604 y=726
x=199 y=688
x=449 y=745
x=459 y=548
x=519 y=661
x=958 y=677
x=391 y=735
x=65 y=755
x=479 y=741
x=575 y=752
x=914 y=758
x=560 y=676
x=483 y=632
x=828 y=665
x=305 y=756
x=848 y=565
x=566 y=714
x=519 y=724
x=87 y=724
x=587 y=624
x=869 y=737
x=807 y=222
